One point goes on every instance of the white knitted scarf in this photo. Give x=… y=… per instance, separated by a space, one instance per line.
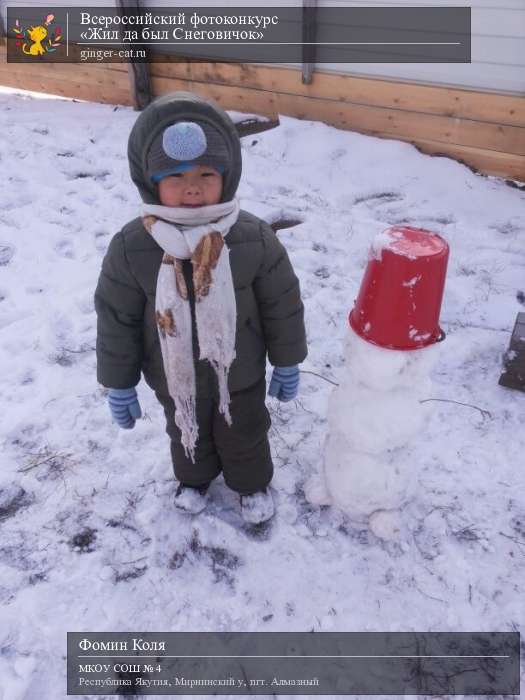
x=197 y=234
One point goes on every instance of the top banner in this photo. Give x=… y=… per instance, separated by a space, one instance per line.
x=239 y=34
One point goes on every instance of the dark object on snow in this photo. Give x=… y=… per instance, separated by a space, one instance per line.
x=513 y=375
x=248 y=127
x=284 y=223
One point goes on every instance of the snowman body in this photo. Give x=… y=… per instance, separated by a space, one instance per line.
x=373 y=415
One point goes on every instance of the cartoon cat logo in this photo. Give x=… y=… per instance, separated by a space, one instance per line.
x=42 y=41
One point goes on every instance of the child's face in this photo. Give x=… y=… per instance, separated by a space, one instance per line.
x=198 y=187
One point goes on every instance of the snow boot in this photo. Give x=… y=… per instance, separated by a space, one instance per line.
x=257 y=507
x=191 y=499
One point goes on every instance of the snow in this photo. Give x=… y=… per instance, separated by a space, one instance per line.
x=382 y=241
x=90 y=539
x=414 y=334
x=412 y=281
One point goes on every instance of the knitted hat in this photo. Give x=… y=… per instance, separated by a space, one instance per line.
x=185 y=144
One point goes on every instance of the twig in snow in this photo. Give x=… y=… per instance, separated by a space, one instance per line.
x=427 y=595
x=133 y=561
x=88 y=348
x=483 y=411
x=276 y=432
x=46 y=457
x=509 y=537
x=277 y=412
x=466 y=533
x=304 y=409
x=306 y=371
x=461 y=324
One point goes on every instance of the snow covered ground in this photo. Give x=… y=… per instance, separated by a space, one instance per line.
x=89 y=539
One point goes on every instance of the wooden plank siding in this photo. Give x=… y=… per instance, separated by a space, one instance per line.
x=376 y=121
x=484 y=130
x=448 y=102
x=91 y=82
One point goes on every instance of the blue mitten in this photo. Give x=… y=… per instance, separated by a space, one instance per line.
x=124 y=406
x=284 y=383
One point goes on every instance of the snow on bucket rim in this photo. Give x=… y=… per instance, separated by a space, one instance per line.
x=408 y=241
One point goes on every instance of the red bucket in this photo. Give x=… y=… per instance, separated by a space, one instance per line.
x=400 y=297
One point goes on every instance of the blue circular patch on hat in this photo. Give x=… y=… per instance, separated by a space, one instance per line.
x=184 y=141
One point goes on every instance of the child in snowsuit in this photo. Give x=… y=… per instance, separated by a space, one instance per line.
x=194 y=294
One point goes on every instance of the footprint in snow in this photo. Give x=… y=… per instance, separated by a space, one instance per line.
x=6 y=254
x=84 y=541
x=65 y=249
x=99 y=175
x=12 y=499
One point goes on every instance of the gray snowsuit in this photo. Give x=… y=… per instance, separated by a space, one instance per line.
x=269 y=317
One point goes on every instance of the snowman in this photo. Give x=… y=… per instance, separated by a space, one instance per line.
x=377 y=411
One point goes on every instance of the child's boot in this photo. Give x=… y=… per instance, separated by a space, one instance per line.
x=257 y=507
x=191 y=499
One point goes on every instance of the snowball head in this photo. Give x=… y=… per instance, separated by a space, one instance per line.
x=184 y=141
x=383 y=369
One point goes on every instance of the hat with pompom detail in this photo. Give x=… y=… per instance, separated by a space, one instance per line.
x=184 y=145
x=184 y=141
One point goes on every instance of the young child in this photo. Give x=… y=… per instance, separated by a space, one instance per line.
x=194 y=294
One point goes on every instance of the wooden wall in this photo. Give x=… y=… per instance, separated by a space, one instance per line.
x=92 y=82
x=484 y=130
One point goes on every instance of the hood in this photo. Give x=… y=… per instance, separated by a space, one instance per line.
x=179 y=106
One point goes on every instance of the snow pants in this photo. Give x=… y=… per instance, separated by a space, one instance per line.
x=241 y=451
